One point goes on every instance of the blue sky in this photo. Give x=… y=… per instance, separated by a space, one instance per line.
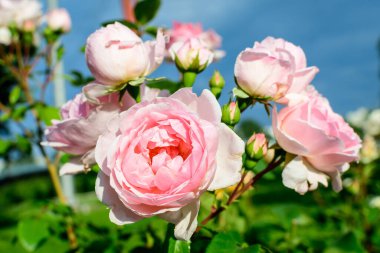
x=338 y=36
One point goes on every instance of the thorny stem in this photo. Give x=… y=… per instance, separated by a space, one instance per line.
x=237 y=193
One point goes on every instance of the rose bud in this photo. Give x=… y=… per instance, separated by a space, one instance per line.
x=187 y=31
x=230 y=114
x=116 y=55
x=273 y=69
x=322 y=141
x=217 y=83
x=257 y=146
x=191 y=55
x=59 y=20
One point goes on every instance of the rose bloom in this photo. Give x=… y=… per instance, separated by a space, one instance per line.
x=19 y=11
x=59 y=19
x=322 y=141
x=185 y=31
x=159 y=156
x=272 y=69
x=116 y=55
x=80 y=126
x=185 y=55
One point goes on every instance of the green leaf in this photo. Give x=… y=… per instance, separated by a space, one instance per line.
x=239 y=93
x=226 y=242
x=78 y=79
x=172 y=245
x=60 y=52
x=32 y=233
x=178 y=246
x=163 y=84
x=19 y=112
x=151 y=30
x=4 y=146
x=23 y=144
x=15 y=94
x=122 y=21
x=146 y=10
x=47 y=113
x=253 y=249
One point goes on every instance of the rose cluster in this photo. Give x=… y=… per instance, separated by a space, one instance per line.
x=26 y=16
x=157 y=154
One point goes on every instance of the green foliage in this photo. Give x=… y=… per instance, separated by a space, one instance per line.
x=78 y=79
x=47 y=113
x=15 y=95
x=146 y=10
x=32 y=233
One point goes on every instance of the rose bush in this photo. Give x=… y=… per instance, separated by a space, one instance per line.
x=160 y=155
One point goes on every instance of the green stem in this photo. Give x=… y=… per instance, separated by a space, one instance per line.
x=189 y=79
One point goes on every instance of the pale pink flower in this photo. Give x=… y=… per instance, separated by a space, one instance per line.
x=273 y=69
x=323 y=142
x=159 y=156
x=17 y=12
x=80 y=126
x=191 y=55
x=185 y=31
x=59 y=19
x=116 y=55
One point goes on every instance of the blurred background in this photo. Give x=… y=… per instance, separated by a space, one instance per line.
x=340 y=37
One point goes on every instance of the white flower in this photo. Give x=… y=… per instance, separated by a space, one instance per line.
x=372 y=125
x=5 y=36
x=301 y=177
x=357 y=117
x=19 y=11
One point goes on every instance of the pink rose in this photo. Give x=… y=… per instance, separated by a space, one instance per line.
x=159 y=156
x=273 y=69
x=185 y=31
x=191 y=55
x=59 y=19
x=323 y=142
x=81 y=124
x=116 y=55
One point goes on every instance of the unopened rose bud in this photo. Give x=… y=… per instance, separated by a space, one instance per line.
x=217 y=83
x=230 y=114
x=257 y=146
x=191 y=55
x=59 y=20
x=29 y=26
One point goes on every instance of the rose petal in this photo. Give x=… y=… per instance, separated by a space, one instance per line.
x=119 y=214
x=185 y=220
x=228 y=159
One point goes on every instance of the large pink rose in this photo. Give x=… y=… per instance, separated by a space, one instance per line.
x=273 y=69
x=116 y=55
x=182 y=32
x=159 y=156
x=323 y=142
x=81 y=124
